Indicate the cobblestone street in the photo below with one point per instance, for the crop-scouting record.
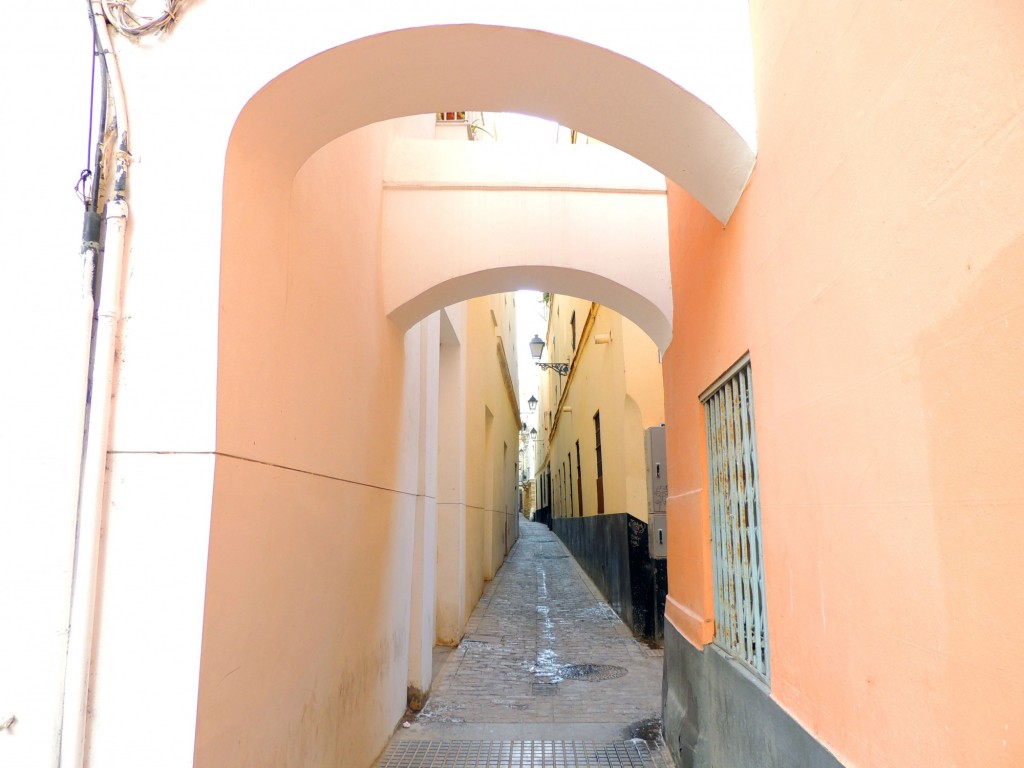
(546, 675)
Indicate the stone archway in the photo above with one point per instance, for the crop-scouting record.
(465, 218)
(500, 69)
(325, 409)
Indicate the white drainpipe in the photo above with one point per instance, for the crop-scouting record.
(94, 461)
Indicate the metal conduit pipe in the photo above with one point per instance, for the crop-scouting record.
(92, 483)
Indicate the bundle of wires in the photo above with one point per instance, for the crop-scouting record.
(121, 16)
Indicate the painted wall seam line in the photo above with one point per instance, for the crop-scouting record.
(324, 476)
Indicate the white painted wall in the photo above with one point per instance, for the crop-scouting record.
(43, 356)
(463, 219)
(150, 624)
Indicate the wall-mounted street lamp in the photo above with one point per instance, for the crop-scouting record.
(537, 349)
(562, 369)
(532, 402)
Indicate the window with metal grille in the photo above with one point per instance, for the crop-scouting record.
(736, 553)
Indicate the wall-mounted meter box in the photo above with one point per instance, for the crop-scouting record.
(657, 491)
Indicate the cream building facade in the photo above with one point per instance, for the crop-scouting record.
(477, 520)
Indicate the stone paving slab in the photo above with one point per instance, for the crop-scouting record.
(539, 622)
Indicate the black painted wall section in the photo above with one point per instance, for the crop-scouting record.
(613, 551)
(716, 716)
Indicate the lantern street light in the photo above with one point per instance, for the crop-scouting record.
(537, 348)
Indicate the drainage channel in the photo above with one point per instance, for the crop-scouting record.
(634, 753)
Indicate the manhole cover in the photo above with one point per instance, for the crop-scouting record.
(591, 672)
(545, 689)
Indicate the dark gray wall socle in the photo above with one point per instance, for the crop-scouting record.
(613, 551)
(717, 716)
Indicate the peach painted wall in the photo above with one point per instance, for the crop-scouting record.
(305, 641)
(320, 412)
(873, 269)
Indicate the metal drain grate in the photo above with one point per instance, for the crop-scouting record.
(591, 672)
(634, 753)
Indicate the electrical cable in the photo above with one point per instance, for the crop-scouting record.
(131, 24)
(83, 177)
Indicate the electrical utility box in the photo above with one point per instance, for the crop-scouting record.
(657, 491)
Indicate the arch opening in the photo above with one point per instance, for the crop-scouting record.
(568, 282)
(419, 70)
(328, 411)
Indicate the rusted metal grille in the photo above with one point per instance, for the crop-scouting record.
(737, 559)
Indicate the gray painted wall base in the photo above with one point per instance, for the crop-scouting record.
(613, 551)
(717, 716)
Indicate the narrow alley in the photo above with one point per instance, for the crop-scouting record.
(547, 676)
